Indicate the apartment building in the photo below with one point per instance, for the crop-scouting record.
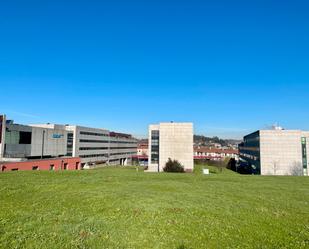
(170, 140)
(275, 152)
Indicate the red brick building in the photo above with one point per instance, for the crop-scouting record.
(72, 163)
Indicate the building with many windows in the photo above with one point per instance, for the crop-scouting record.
(275, 152)
(170, 140)
(91, 145)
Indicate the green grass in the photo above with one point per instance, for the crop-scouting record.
(122, 208)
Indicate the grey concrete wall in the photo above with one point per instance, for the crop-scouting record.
(55, 142)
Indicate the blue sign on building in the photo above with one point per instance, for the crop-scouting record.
(58, 135)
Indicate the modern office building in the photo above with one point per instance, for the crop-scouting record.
(27, 142)
(170, 140)
(91, 145)
(275, 152)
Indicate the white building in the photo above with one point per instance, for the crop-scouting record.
(170, 140)
(276, 152)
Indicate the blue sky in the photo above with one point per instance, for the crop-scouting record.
(231, 67)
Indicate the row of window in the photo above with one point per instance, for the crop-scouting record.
(105, 148)
(155, 141)
(94, 155)
(93, 148)
(93, 134)
(124, 153)
(104, 141)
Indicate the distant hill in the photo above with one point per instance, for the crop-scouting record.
(206, 141)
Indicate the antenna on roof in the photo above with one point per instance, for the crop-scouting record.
(277, 127)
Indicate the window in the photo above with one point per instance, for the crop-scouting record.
(122, 148)
(93, 134)
(92, 141)
(155, 146)
(304, 152)
(24, 137)
(93, 148)
(35, 167)
(70, 138)
(65, 166)
(93, 155)
(52, 167)
(76, 165)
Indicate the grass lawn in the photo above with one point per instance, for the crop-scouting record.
(121, 208)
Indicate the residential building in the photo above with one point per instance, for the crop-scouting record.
(275, 152)
(170, 140)
(142, 149)
(210, 153)
(142, 154)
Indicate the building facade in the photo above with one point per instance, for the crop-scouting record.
(91, 145)
(27, 142)
(170, 140)
(276, 152)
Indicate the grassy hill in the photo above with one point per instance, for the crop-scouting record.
(122, 208)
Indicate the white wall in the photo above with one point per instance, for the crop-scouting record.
(281, 152)
(175, 142)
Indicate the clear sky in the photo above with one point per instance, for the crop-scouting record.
(231, 67)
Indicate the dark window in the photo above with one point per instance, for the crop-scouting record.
(93, 155)
(93, 134)
(93, 148)
(65, 166)
(24, 137)
(52, 167)
(304, 152)
(35, 167)
(92, 141)
(123, 142)
(14, 169)
(155, 146)
(122, 153)
(122, 148)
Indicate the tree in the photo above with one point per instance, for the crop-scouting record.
(173, 166)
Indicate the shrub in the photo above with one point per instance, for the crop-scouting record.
(173, 166)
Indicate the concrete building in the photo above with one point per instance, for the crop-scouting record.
(170, 140)
(27, 142)
(91, 145)
(276, 152)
